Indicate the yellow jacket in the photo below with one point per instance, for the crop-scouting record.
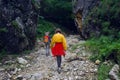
(58, 37)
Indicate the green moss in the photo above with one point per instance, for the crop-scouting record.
(15, 24)
(3, 30)
(36, 4)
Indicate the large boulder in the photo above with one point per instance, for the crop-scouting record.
(81, 9)
(18, 20)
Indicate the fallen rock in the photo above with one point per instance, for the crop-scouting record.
(97, 62)
(2, 69)
(113, 74)
(22, 61)
(19, 77)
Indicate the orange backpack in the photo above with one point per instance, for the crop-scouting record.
(46, 38)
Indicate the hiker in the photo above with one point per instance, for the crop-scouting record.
(58, 47)
(47, 43)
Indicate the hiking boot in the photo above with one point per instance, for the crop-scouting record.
(59, 70)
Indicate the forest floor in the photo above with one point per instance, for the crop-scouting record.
(37, 66)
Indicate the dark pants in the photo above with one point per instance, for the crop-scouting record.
(59, 59)
(47, 46)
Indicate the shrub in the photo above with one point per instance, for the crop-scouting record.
(103, 47)
(103, 71)
(44, 26)
(104, 19)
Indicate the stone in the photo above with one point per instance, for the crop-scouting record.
(22, 61)
(113, 74)
(19, 77)
(50, 74)
(97, 62)
(15, 71)
(9, 75)
(28, 65)
(2, 69)
(9, 62)
(45, 68)
(81, 8)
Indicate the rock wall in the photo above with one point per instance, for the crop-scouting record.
(81, 8)
(18, 20)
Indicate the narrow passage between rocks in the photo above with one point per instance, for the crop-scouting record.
(75, 65)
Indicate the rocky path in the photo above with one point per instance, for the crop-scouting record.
(37, 66)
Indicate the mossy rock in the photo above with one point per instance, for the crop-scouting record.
(15, 24)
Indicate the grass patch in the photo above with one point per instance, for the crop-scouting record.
(76, 46)
(103, 71)
(44, 26)
(102, 47)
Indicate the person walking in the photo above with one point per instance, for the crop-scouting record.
(58, 47)
(47, 43)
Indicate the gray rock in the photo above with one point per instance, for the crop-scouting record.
(36, 76)
(19, 77)
(15, 71)
(113, 74)
(81, 8)
(18, 20)
(2, 69)
(22, 61)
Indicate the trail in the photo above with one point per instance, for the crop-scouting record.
(75, 66)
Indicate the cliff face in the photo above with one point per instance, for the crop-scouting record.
(81, 8)
(18, 20)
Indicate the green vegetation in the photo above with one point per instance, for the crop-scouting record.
(103, 71)
(36, 4)
(103, 47)
(58, 11)
(3, 29)
(54, 13)
(76, 46)
(106, 46)
(15, 24)
(47, 26)
(44, 26)
(105, 17)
